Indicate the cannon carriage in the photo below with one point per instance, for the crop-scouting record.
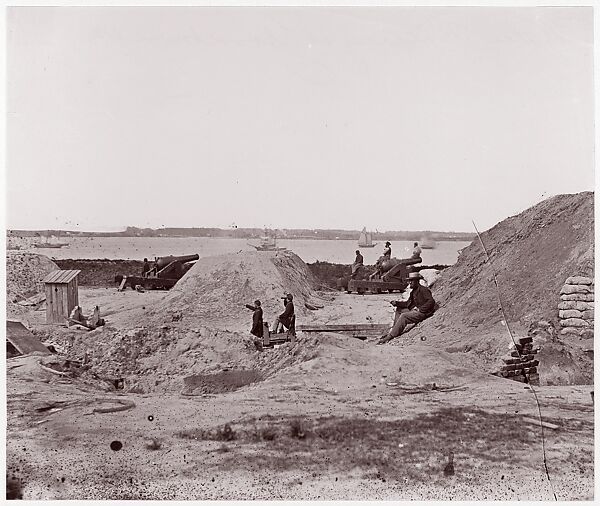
(390, 275)
(163, 274)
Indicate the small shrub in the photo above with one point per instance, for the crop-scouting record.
(296, 429)
(268, 434)
(226, 433)
(154, 444)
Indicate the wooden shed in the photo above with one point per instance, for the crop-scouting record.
(62, 295)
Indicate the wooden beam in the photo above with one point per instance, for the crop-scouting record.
(344, 327)
(537, 422)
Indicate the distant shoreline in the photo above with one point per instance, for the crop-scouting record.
(285, 234)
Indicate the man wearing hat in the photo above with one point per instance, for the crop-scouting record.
(387, 251)
(419, 306)
(287, 317)
(257, 318)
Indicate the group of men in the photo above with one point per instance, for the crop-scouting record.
(285, 320)
(387, 255)
(420, 304)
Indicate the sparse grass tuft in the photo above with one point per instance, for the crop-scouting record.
(268, 434)
(154, 444)
(226, 433)
(296, 429)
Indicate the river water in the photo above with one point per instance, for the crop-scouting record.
(335, 251)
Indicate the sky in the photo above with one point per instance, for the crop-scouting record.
(393, 118)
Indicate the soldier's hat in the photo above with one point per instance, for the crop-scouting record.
(414, 275)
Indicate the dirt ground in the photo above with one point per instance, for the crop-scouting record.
(338, 418)
(172, 399)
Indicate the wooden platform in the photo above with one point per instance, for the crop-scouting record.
(358, 330)
(22, 339)
(361, 286)
(147, 283)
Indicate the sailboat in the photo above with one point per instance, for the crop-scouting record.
(365, 239)
(427, 242)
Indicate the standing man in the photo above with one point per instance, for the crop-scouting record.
(358, 263)
(387, 251)
(419, 306)
(286, 319)
(416, 251)
(257, 318)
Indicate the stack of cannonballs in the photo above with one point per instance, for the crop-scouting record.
(576, 307)
(519, 363)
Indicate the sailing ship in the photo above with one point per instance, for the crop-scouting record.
(51, 242)
(365, 239)
(267, 243)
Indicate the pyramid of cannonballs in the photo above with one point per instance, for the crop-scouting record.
(576, 307)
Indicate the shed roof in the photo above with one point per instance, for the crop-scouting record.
(61, 276)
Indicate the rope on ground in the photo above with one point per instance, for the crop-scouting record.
(519, 353)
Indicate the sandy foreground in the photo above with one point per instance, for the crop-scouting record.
(357, 421)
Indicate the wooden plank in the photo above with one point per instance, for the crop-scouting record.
(65, 301)
(343, 327)
(48, 289)
(122, 285)
(33, 300)
(57, 300)
(60, 304)
(22, 339)
(76, 290)
(547, 425)
(70, 305)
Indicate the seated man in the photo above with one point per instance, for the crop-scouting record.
(358, 263)
(286, 319)
(419, 306)
(145, 268)
(387, 251)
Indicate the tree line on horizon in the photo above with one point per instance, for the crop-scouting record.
(249, 233)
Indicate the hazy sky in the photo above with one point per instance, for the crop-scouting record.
(392, 118)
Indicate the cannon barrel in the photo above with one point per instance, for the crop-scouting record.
(162, 262)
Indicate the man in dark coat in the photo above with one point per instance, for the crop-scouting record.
(358, 263)
(145, 268)
(257, 318)
(419, 306)
(286, 318)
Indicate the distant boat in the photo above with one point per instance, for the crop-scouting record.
(267, 243)
(427, 243)
(365, 239)
(51, 242)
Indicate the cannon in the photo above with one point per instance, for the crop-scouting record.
(163, 274)
(390, 275)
